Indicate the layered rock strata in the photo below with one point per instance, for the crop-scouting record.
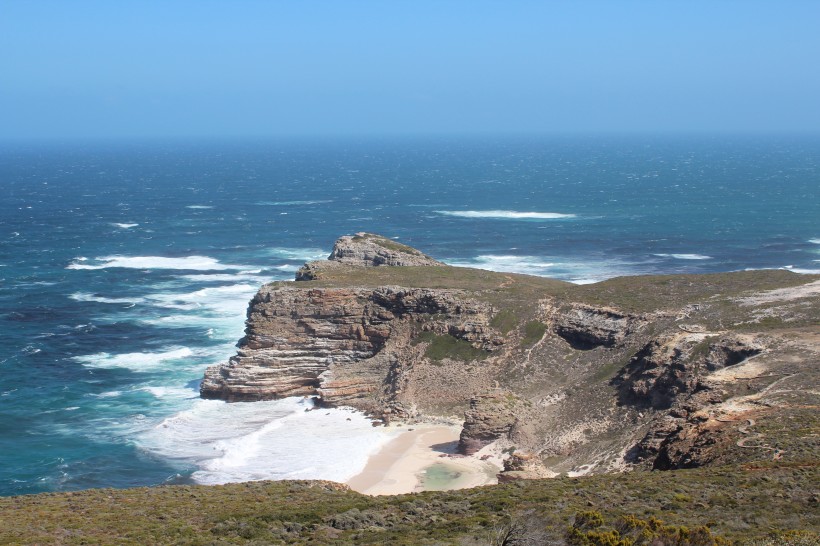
(366, 250)
(491, 416)
(339, 344)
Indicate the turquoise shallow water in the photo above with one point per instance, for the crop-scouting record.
(125, 269)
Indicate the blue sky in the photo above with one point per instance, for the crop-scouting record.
(122, 69)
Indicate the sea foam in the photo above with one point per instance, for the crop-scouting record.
(201, 263)
(684, 256)
(563, 268)
(297, 254)
(84, 296)
(291, 203)
(266, 440)
(505, 214)
(138, 362)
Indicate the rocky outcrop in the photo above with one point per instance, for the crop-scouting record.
(491, 416)
(672, 365)
(523, 466)
(677, 373)
(366, 250)
(586, 327)
(292, 337)
(339, 344)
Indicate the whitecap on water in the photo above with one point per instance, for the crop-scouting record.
(83, 296)
(227, 300)
(572, 270)
(297, 254)
(804, 271)
(289, 203)
(250, 275)
(201, 263)
(139, 362)
(166, 392)
(505, 214)
(684, 256)
(124, 226)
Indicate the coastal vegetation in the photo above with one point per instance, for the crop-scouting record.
(763, 503)
(440, 347)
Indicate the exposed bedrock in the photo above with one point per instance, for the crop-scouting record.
(675, 373)
(329, 342)
(675, 364)
(366, 250)
(491, 416)
(586, 327)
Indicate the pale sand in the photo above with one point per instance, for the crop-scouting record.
(399, 466)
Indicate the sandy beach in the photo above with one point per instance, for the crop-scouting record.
(421, 459)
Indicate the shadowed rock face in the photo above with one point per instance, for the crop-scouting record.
(586, 327)
(674, 365)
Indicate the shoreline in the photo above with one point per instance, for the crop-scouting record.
(422, 458)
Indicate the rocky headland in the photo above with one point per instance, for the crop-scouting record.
(656, 372)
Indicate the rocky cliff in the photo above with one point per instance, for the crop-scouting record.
(661, 372)
(365, 250)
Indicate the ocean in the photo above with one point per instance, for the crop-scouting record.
(126, 268)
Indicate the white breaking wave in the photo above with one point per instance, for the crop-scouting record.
(298, 254)
(251, 275)
(802, 270)
(217, 298)
(505, 214)
(134, 361)
(199, 207)
(814, 241)
(563, 268)
(266, 440)
(170, 392)
(685, 256)
(196, 263)
(83, 296)
(219, 309)
(124, 226)
(287, 203)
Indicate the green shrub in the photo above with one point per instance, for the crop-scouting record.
(533, 332)
(504, 321)
(447, 346)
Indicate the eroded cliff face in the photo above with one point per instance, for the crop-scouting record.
(365, 250)
(346, 346)
(587, 327)
(563, 375)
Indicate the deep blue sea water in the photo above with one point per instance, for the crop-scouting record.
(125, 270)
